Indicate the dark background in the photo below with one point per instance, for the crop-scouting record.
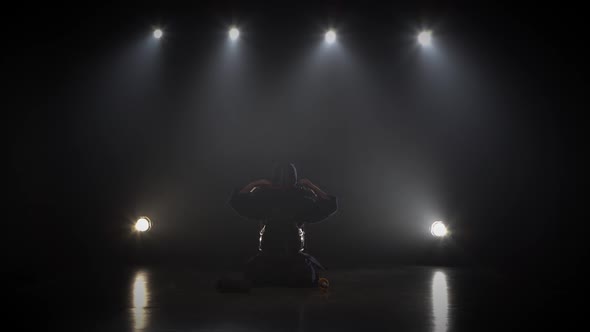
(105, 124)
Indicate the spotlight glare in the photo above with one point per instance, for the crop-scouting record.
(234, 33)
(143, 224)
(330, 36)
(438, 229)
(425, 38)
(158, 33)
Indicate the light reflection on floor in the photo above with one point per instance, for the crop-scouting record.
(422, 299)
(140, 297)
(440, 302)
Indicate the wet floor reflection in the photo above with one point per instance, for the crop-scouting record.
(140, 298)
(440, 302)
(394, 299)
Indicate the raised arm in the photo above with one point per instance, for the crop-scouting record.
(254, 184)
(244, 202)
(324, 207)
(319, 192)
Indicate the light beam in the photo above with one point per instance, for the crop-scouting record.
(330, 36)
(158, 33)
(143, 224)
(234, 33)
(438, 229)
(425, 38)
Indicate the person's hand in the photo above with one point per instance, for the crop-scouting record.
(306, 182)
(254, 184)
(261, 183)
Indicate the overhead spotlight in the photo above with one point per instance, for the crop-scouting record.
(438, 229)
(143, 224)
(330, 36)
(425, 38)
(234, 33)
(158, 33)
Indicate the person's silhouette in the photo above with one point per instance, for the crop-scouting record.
(283, 205)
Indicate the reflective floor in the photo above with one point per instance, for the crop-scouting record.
(396, 299)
